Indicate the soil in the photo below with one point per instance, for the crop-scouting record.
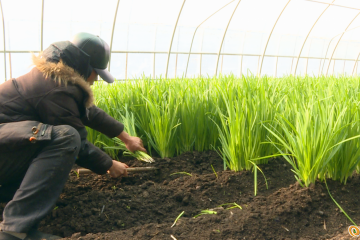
(145, 205)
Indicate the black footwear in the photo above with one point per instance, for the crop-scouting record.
(6, 236)
(32, 235)
(36, 235)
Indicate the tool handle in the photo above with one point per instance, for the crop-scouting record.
(82, 171)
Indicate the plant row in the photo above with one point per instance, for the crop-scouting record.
(312, 122)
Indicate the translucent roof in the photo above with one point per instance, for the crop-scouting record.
(191, 37)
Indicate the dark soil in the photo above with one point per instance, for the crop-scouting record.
(145, 206)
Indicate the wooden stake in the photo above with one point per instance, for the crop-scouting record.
(83, 171)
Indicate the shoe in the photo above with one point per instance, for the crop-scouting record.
(32, 235)
(6, 236)
(36, 235)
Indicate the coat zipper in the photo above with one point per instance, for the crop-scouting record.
(43, 132)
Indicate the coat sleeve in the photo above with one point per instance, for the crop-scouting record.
(60, 108)
(99, 120)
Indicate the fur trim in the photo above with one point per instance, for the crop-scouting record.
(62, 73)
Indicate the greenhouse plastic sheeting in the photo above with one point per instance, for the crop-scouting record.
(161, 38)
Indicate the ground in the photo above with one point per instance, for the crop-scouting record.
(145, 206)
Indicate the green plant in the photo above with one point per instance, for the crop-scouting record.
(233, 205)
(77, 174)
(205, 212)
(179, 216)
(214, 171)
(181, 173)
(313, 122)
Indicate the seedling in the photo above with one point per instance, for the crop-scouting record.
(102, 210)
(337, 204)
(177, 218)
(77, 174)
(234, 205)
(255, 177)
(113, 188)
(182, 173)
(205, 212)
(214, 171)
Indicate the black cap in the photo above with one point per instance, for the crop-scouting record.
(98, 51)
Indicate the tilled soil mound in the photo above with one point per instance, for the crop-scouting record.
(145, 206)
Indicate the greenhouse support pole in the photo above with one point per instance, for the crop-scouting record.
(2, 15)
(187, 64)
(356, 63)
(10, 68)
(153, 70)
(332, 55)
(262, 57)
(319, 67)
(42, 26)
(347, 48)
(200, 64)
(172, 38)
(241, 64)
(222, 41)
(302, 47)
(322, 69)
(154, 53)
(176, 63)
(126, 66)
(112, 33)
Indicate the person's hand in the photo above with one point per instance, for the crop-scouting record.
(132, 143)
(118, 169)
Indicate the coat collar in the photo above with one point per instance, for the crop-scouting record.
(63, 74)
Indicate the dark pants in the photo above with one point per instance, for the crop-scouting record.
(36, 176)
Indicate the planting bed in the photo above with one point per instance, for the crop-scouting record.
(144, 206)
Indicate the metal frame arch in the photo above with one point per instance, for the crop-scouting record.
(262, 56)
(196, 31)
(172, 38)
(112, 32)
(222, 41)
(302, 47)
(322, 68)
(357, 59)
(332, 55)
(3, 22)
(42, 26)
(356, 63)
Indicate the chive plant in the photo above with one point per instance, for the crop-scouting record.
(312, 121)
(163, 122)
(241, 132)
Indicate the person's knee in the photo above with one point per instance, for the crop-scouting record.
(69, 135)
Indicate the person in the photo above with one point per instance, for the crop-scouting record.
(43, 115)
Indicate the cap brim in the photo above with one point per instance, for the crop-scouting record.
(105, 75)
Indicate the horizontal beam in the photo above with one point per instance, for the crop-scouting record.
(198, 53)
(21, 51)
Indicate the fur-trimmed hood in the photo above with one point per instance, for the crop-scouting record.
(63, 74)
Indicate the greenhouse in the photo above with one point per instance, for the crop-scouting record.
(182, 119)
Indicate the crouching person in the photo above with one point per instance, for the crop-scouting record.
(43, 115)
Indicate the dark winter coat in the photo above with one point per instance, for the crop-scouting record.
(53, 93)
